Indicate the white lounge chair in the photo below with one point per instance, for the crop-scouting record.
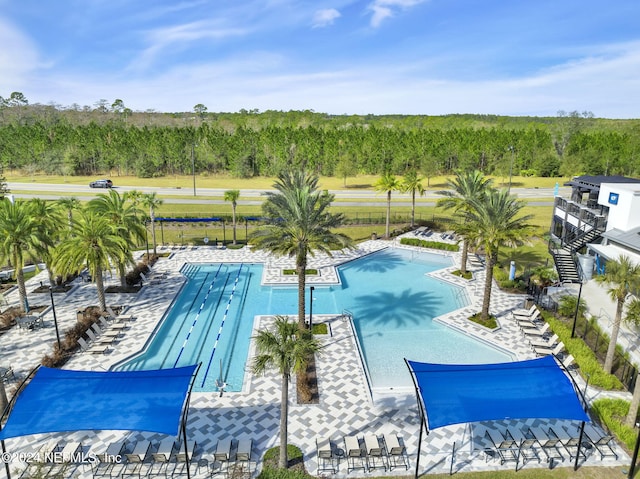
(119, 317)
(541, 343)
(93, 348)
(536, 331)
(375, 453)
(525, 311)
(546, 351)
(104, 333)
(96, 340)
(325, 455)
(356, 456)
(396, 452)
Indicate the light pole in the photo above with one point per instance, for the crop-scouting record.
(634, 458)
(193, 167)
(311, 288)
(512, 149)
(55, 319)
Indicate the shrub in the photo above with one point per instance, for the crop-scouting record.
(611, 412)
(429, 244)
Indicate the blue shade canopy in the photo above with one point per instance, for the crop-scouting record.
(461, 393)
(58, 400)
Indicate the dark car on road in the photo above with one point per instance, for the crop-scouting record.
(101, 184)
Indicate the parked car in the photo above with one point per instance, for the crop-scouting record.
(101, 184)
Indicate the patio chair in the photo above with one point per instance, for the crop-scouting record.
(542, 351)
(325, 455)
(243, 457)
(222, 455)
(104, 333)
(105, 462)
(602, 442)
(505, 446)
(374, 452)
(356, 456)
(524, 319)
(541, 343)
(534, 330)
(137, 459)
(118, 317)
(527, 445)
(184, 459)
(105, 324)
(396, 452)
(524, 311)
(6, 373)
(570, 440)
(162, 457)
(569, 364)
(549, 442)
(92, 348)
(96, 340)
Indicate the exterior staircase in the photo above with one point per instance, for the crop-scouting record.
(565, 266)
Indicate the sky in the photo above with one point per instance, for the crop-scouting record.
(428, 57)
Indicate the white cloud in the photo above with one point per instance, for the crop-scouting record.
(325, 17)
(18, 57)
(383, 9)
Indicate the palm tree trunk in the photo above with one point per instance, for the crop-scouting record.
(284, 412)
(413, 208)
(122, 275)
(608, 361)
(22, 289)
(233, 213)
(488, 283)
(465, 254)
(301, 269)
(386, 231)
(633, 407)
(100, 287)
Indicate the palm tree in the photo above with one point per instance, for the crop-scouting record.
(633, 316)
(412, 183)
(623, 279)
(387, 183)
(285, 350)
(495, 218)
(21, 237)
(95, 241)
(69, 203)
(232, 196)
(463, 189)
(299, 225)
(48, 214)
(127, 216)
(151, 201)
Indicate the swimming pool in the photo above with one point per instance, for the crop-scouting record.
(389, 293)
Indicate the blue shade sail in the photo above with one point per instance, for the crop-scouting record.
(463, 393)
(58, 400)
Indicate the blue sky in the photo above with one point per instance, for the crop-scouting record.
(434, 57)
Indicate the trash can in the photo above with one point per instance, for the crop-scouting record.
(80, 315)
(374, 236)
(528, 302)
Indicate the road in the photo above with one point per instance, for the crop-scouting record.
(253, 196)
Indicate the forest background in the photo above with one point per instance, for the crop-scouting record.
(111, 139)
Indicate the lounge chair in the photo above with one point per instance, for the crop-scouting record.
(105, 462)
(546, 351)
(243, 456)
(184, 460)
(396, 452)
(541, 343)
(506, 447)
(137, 459)
(375, 452)
(356, 456)
(535, 331)
(525, 311)
(527, 318)
(107, 325)
(222, 454)
(569, 363)
(549, 442)
(602, 442)
(325, 455)
(93, 348)
(104, 333)
(148, 281)
(118, 317)
(570, 440)
(96, 340)
(161, 457)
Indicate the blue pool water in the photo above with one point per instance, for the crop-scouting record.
(392, 300)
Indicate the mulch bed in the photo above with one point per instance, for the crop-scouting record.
(312, 381)
(126, 289)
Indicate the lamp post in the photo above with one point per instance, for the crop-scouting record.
(311, 288)
(193, 167)
(634, 458)
(512, 149)
(55, 319)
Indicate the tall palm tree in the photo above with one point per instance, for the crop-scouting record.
(95, 241)
(387, 183)
(299, 224)
(117, 209)
(48, 214)
(151, 201)
(412, 183)
(232, 196)
(285, 350)
(465, 188)
(21, 237)
(495, 218)
(69, 203)
(623, 278)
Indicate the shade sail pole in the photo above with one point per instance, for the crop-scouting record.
(183, 421)
(423, 419)
(575, 465)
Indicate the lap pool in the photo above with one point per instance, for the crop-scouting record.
(389, 293)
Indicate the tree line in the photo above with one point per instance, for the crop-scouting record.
(112, 138)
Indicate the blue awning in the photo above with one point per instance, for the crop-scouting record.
(462, 393)
(58, 400)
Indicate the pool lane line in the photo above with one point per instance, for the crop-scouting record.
(197, 316)
(226, 312)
